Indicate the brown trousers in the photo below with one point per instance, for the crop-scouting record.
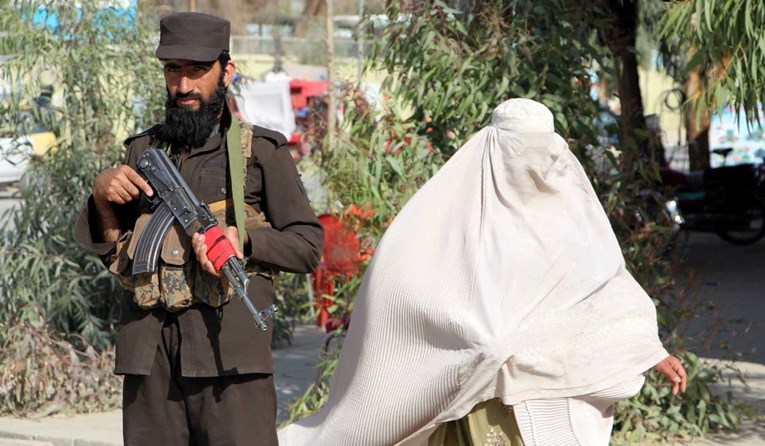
(167, 409)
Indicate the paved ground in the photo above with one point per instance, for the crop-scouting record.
(730, 279)
(294, 373)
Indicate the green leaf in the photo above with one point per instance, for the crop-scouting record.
(708, 7)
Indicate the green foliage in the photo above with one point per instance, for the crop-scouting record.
(447, 70)
(292, 293)
(728, 45)
(103, 76)
(378, 164)
(655, 415)
(453, 67)
(318, 392)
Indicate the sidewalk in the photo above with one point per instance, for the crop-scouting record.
(295, 371)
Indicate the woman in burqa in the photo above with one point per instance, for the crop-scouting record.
(499, 293)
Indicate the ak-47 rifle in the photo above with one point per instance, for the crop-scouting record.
(174, 200)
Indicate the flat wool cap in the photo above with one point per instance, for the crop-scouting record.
(192, 36)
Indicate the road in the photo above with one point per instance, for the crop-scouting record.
(727, 283)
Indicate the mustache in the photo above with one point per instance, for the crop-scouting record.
(189, 95)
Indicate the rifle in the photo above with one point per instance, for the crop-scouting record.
(174, 200)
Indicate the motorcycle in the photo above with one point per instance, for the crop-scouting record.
(727, 201)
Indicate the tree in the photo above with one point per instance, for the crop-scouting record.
(106, 85)
(726, 58)
(59, 304)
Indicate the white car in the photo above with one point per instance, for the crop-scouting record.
(17, 149)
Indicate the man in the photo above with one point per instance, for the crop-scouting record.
(201, 374)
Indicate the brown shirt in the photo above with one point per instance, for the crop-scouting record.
(223, 341)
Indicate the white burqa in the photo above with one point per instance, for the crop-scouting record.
(500, 278)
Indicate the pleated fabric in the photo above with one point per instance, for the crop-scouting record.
(501, 278)
(574, 421)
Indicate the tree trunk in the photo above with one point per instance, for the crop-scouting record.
(332, 96)
(312, 8)
(620, 37)
(696, 130)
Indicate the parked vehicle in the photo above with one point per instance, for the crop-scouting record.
(725, 200)
(18, 145)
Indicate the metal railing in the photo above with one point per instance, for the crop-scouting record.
(292, 46)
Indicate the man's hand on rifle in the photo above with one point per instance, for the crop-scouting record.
(119, 185)
(200, 249)
(116, 186)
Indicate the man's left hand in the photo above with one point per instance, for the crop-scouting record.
(200, 249)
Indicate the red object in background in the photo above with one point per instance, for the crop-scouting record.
(341, 246)
(340, 257)
(301, 90)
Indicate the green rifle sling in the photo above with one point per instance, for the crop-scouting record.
(236, 172)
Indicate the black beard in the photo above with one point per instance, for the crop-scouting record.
(189, 128)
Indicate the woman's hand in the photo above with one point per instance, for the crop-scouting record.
(673, 370)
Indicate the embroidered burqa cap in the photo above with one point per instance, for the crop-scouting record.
(500, 278)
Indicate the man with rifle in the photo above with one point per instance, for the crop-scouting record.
(197, 363)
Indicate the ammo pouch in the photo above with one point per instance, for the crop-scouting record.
(179, 281)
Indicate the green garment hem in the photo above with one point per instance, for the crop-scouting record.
(490, 423)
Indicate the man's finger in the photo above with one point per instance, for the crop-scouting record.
(130, 188)
(122, 194)
(138, 180)
(198, 243)
(233, 237)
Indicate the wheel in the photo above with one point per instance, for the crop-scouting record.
(756, 217)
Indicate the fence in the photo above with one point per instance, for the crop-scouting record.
(293, 46)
